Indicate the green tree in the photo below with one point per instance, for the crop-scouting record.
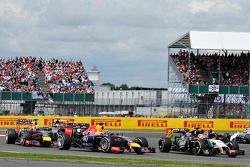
(124, 87)
(112, 86)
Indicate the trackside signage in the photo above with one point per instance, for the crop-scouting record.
(134, 123)
(239, 124)
(107, 122)
(7, 121)
(152, 123)
(199, 124)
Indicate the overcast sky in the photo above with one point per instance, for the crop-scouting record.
(126, 39)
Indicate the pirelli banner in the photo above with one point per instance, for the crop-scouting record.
(135, 123)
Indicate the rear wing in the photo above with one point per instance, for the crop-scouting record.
(171, 131)
(24, 121)
(95, 130)
(28, 122)
(78, 125)
(60, 122)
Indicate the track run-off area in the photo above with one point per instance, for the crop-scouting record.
(152, 137)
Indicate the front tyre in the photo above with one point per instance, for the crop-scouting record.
(10, 136)
(46, 144)
(142, 141)
(138, 150)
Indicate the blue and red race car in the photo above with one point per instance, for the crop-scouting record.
(96, 138)
(31, 134)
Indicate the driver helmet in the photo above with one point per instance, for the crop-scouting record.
(212, 135)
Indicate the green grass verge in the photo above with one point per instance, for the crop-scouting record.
(97, 160)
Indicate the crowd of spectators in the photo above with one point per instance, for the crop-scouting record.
(190, 70)
(224, 69)
(20, 75)
(67, 76)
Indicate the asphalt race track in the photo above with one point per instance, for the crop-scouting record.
(152, 136)
(26, 163)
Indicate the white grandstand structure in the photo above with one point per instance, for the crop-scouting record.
(209, 42)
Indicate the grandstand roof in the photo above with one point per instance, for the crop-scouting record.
(213, 40)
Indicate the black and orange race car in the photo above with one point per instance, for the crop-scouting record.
(95, 138)
(28, 133)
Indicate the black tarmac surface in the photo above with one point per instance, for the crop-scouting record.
(26, 163)
(152, 136)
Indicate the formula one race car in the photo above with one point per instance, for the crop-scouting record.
(96, 139)
(59, 127)
(197, 142)
(241, 137)
(31, 135)
(119, 144)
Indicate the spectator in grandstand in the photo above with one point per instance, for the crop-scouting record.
(68, 76)
(61, 76)
(226, 69)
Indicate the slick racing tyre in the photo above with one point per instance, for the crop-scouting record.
(198, 147)
(105, 144)
(165, 144)
(142, 141)
(233, 145)
(46, 144)
(138, 150)
(64, 142)
(247, 138)
(10, 136)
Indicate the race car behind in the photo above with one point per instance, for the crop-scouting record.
(241, 137)
(197, 142)
(31, 134)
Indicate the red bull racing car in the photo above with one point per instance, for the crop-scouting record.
(30, 135)
(96, 138)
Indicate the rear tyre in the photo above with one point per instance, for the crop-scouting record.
(247, 137)
(105, 144)
(142, 141)
(10, 136)
(198, 147)
(64, 142)
(233, 145)
(165, 144)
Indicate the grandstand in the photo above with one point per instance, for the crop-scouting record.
(212, 70)
(31, 82)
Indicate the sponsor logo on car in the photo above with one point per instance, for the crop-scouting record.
(198, 124)
(152, 123)
(107, 122)
(239, 124)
